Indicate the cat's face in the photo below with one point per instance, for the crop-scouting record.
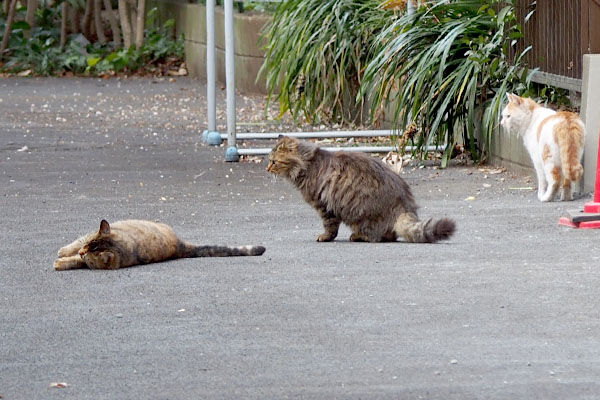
(96, 258)
(284, 159)
(100, 251)
(517, 112)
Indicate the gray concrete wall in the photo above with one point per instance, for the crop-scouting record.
(509, 151)
(590, 113)
(191, 21)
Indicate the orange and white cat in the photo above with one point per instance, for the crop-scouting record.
(554, 141)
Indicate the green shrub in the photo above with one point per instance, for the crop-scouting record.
(316, 52)
(42, 55)
(445, 69)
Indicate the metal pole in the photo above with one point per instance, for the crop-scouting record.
(231, 153)
(410, 7)
(363, 149)
(211, 135)
(321, 134)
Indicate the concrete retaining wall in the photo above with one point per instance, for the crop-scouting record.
(190, 19)
(590, 113)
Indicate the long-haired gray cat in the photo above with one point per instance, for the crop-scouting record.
(355, 189)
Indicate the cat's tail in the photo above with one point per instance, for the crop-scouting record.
(569, 133)
(190, 250)
(410, 228)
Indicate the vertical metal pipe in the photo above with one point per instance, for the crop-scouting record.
(211, 66)
(231, 154)
(410, 7)
(211, 136)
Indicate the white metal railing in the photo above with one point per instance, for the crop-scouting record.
(211, 136)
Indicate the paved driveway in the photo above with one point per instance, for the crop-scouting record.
(508, 309)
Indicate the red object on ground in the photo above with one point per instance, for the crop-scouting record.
(590, 217)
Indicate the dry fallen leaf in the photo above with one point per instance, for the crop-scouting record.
(521, 188)
(395, 161)
(492, 171)
(59, 385)
(253, 159)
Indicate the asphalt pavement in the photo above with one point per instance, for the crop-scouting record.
(507, 309)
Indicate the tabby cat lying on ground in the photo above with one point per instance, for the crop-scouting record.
(355, 189)
(134, 242)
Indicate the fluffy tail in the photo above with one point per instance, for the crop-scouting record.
(412, 230)
(189, 250)
(569, 133)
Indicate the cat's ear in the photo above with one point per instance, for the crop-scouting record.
(104, 227)
(513, 98)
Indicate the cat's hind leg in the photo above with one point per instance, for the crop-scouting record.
(567, 190)
(368, 231)
(541, 177)
(66, 263)
(331, 224)
(554, 177)
(357, 237)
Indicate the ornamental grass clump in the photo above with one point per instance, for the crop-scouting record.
(316, 52)
(445, 69)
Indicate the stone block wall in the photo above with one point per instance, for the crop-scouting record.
(190, 19)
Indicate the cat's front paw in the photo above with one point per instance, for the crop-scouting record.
(325, 237)
(64, 252)
(61, 265)
(66, 263)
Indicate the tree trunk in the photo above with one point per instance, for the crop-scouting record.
(98, 21)
(63, 23)
(125, 24)
(30, 17)
(141, 17)
(9, 21)
(86, 24)
(114, 26)
(133, 18)
(75, 18)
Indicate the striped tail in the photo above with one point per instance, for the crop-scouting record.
(190, 251)
(411, 229)
(569, 134)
